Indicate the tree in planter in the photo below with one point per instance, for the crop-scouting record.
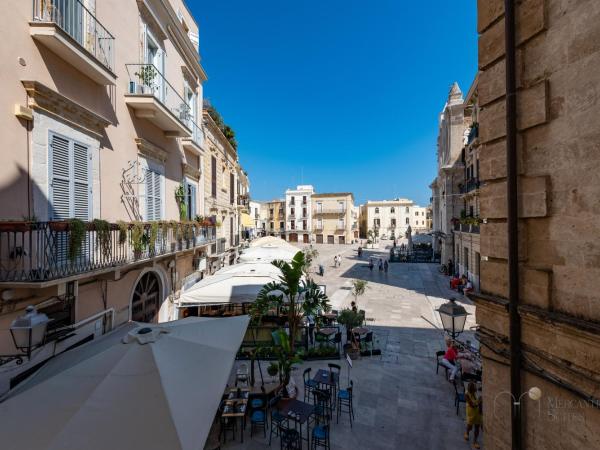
(350, 319)
(359, 287)
(146, 76)
(310, 255)
(298, 297)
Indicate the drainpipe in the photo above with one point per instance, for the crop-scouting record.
(512, 221)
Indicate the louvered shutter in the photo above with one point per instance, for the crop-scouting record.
(192, 205)
(60, 196)
(157, 196)
(81, 182)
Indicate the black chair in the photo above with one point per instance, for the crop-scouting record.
(344, 399)
(335, 369)
(337, 340)
(322, 411)
(438, 354)
(368, 340)
(277, 419)
(459, 397)
(289, 439)
(320, 437)
(227, 424)
(309, 384)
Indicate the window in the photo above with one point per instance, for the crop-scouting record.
(407, 210)
(471, 210)
(292, 225)
(319, 224)
(407, 221)
(341, 206)
(376, 210)
(281, 225)
(466, 259)
(292, 211)
(304, 199)
(231, 188)
(416, 213)
(393, 223)
(271, 212)
(304, 224)
(392, 210)
(376, 223)
(213, 177)
(292, 200)
(153, 183)
(190, 199)
(319, 207)
(341, 225)
(304, 212)
(70, 185)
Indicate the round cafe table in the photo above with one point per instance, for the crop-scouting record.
(360, 330)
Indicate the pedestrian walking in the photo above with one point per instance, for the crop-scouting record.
(321, 270)
(360, 252)
(380, 265)
(370, 264)
(386, 266)
(339, 260)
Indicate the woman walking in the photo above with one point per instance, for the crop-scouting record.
(473, 403)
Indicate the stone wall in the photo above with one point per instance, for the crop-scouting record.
(558, 59)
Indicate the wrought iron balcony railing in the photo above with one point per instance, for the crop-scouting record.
(146, 79)
(466, 228)
(330, 211)
(80, 24)
(44, 251)
(470, 185)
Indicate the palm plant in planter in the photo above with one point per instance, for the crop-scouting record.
(297, 296)
(351, 319)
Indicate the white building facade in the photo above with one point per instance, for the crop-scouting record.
(298, 212)
(390, 219)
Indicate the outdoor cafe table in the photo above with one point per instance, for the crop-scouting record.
(236, 406)
(328, 379)
(360, 330)
(301, 411)
(329, 316)
(327, 331)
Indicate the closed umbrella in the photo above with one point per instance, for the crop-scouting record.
(158, 388)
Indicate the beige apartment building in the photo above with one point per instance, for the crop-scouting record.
(274, 220)
(466, 227)
(98, 123)
(334, 218)
(539, 307)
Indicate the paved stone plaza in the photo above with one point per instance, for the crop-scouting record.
(400, 402)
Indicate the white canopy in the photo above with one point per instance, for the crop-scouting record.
(268, 254)
(270, 241)
(157, 389)
(230, 287)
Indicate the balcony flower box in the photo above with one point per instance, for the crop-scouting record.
(16, 226)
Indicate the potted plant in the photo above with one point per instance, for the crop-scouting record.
(58, 225)
(273, 370)
(146, 77)
(350, 319)
(76, 235)
(359, 287)
(103, 241)
(139, 239)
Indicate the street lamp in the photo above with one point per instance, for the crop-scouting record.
(453, 317)
(29, 330)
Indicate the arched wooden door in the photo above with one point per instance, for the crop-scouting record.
(146, 300)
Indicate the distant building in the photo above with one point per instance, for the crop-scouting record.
(334, 218)
(447, 203)
(298, 213)
(273, 218)
(391, 218)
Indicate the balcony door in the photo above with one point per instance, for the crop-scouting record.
(154, 60)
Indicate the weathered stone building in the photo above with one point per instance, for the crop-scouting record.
(557, 302)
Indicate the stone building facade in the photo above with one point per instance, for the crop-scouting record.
(445, 188)
(274, 221)
(390, 219)
(558, 159)
(334, 220)
(466, 228)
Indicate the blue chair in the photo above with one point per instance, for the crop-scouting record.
(344, 399)
(258, 418)
(320, 437)
(309, 384)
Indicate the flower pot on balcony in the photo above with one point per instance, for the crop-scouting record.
(17, 226)
(59, 226)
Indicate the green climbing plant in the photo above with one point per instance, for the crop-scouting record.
(76, 236)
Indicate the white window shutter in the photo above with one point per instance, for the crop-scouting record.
(81, 182)
(157, 196)
(60, 195)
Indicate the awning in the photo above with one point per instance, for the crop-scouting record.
(154, 390)
(268, 254)
(228, 287)
(247, 221)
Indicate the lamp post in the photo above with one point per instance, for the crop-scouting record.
(453, 317)
(28, 332)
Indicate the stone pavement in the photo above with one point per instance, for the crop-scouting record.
(400, 402)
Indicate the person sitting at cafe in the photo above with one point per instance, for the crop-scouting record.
(449, 360)
(467, 288)
(463, 283)
(454, 282)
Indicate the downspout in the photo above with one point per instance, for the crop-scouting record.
(512, 221)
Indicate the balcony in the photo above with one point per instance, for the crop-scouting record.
(325, 211)
(40, 252)
(153, 98)
(472, 184)
(466, 228)
(196, 141)
(71, 31)
(218, 247)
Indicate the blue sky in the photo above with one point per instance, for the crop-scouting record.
(341, 94)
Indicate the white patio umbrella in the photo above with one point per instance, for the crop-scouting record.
(268, 254)
(157, 389)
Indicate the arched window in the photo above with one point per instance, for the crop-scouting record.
(393, 210)
(146, 300)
